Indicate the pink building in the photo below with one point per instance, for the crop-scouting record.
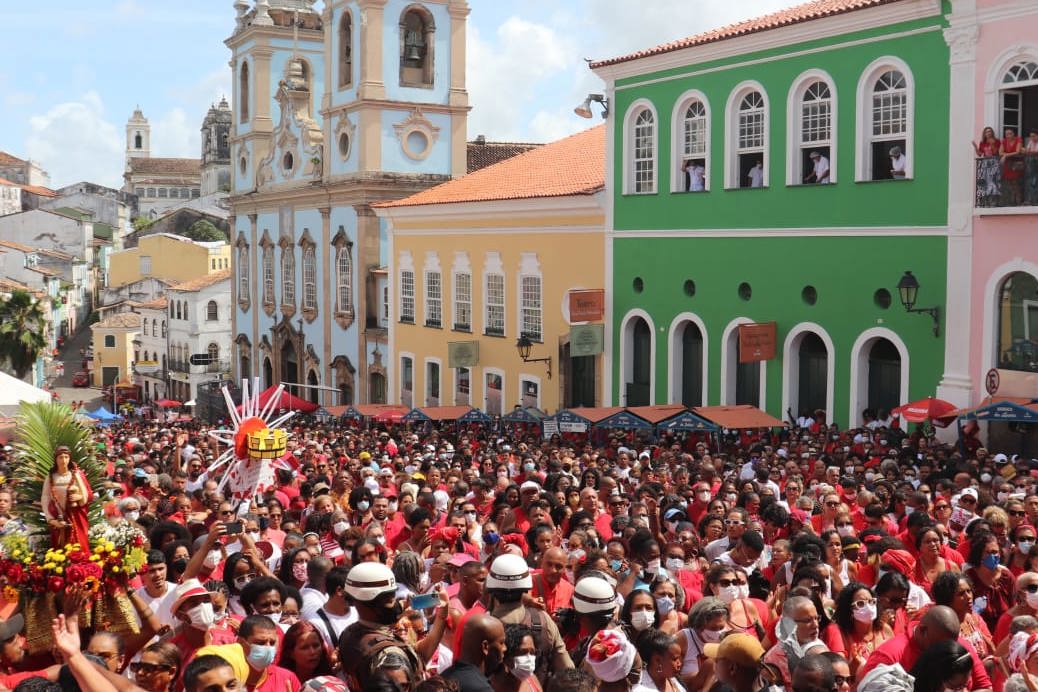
(993, 208)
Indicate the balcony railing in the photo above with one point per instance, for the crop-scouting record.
(184, 366)
(1012, 182)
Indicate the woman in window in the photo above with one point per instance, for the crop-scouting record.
(989, 172)
(1012, 166)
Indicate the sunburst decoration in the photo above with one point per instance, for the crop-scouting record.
(255, 444)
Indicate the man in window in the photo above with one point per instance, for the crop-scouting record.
(820, 173)
(695, 176)
(898, 162)
(756, 175)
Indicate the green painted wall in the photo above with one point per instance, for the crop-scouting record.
(845, 271)
(918, 202)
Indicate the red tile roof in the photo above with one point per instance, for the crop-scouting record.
(203, 281)
(33, 189)
(481, 153)
(160, 166)
(816, 9)
(571, 166)
(8, 160)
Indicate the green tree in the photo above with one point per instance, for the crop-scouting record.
(142, 223)
(204, 231)
(22, 330)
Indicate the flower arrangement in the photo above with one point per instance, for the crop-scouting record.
(115, 554)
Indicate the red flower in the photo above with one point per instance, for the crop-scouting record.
(14, 573)
(92, 569)
(75, 573)
(138, 541)
(55, 584)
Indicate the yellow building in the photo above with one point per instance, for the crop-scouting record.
(500, 254)
(171, 258)
(113, 348)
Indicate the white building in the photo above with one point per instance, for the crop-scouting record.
(151, 347)
(199, 319)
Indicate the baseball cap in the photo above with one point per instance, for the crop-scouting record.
(529, 485)
(741, 649)
(320, 488)
(11, 626)
(459, 559)
(185, 590)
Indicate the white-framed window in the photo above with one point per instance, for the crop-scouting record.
(407, 296)
(407, 380)
(748, 132)
(462, 387)
(495, 300)
(433, 299)
(640, 147)
(811, 136)
(309, 278)
(268, 275)
(385, 302)
(463, 301)
(530, 309)
(886, 116)
(432, 382)
(145, 265)
(691, 141)
(288, 275)
(344, 279)
(212, 311)
(1017, 87)
(243, 272)
(493, 391)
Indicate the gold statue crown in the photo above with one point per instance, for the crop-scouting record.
(267, 443)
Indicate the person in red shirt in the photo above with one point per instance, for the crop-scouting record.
(550, 589)
(193, 606)
(258, 636)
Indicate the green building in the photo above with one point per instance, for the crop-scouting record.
(717, 220)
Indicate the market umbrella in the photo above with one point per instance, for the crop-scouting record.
(167, 403)
(390, 416)
(928, 409)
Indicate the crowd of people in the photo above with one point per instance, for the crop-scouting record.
(809, 559)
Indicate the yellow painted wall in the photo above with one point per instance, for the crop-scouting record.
(172, 260)
(121, 356)
(567, 261)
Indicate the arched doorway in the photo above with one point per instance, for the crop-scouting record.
(268, 373)
(637, 362)
(377, 388)
(747, 380)
(813, 373)
(884, 378)
(289, 367)
(1017, 335)
(691, 365)
(245, 367)
(314, 394)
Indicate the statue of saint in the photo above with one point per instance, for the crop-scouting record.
(66, 498)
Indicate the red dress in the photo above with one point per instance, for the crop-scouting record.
(1011, 146)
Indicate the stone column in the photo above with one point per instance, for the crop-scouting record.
(327, 301)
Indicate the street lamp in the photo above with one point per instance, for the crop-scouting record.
(523, 345)
(908, 290)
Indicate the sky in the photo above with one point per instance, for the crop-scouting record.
(83, 67)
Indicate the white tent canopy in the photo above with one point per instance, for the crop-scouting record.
(14, 391)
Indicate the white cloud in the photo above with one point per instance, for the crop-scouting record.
(15, 99)
(74, 142)
(176, 134)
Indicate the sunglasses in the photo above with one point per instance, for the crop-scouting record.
(1016, 513)
(861, 603)
(725, 583)
(149, 668)
(832, 504)
(733, 522)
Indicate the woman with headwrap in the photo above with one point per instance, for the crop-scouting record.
(1022, 660)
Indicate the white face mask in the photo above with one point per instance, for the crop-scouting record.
(132, 516)
(727, 594)
(642, 619)
(202, 616)
(866, 613)
(665, 604)
(712, 636)
(254, 535)
(674, 564)
(340, 527)
(1025, 547)
(1032, 600)
(744, 590)
(363, 505)
(653, 566)
(845, 530)
(524, 666)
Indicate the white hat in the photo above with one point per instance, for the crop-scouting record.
(509, 572)
(1001, 458)
(970, 491)
(529, 485)
(594, 595)
(366, 581)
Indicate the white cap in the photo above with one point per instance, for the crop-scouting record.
(1001, 458)
(594, 595)
(970, 491)
(369, 579)
(529, 485)
(509, 572)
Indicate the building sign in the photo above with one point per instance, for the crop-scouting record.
(146, 367)
(757, 342)
(462, 354)
(586, 340)
(991, 381)
(586, 305)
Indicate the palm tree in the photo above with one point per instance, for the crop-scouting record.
(22, 332)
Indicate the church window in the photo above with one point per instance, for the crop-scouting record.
(212, 312)
(288, 162)
(346, 51)
(138, 141)
(243, 92)
(344, 279)
(417, 33)
(309, 279)
(151, 192)
(268, 275)
(288, 276)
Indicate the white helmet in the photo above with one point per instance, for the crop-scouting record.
(594, 595)
(368, 580)
(509, 572)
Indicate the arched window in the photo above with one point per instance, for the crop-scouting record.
(163, 329)
(640, 154)
(214, 355)
(692, 138)
(812, 151)
(309, 279)
(748, 133)
(243, 92)
(171, 309)
(344, 280)
(268, 275)
(346, 50)
(211, 311)
(185, 309)
(885, 121)
(1018, 323)
(1019, 86)
(138, 141)
(179, 314)
(417, 40)
(288, 276)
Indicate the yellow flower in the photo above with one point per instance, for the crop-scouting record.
(109, 546)
(59, 570)
(59, 558)
(17, 553)
(49, 565)
(95, 558)
(115, 569)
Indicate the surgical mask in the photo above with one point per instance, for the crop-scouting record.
(212, 559)
(731, 498)
(990, 561)
(653, 566)
(744, 590)
(985, 478)
(642, 619)
(363, 505)
(202, 616)
(529, 467)
(674, 564)
(1032, 600)
(132, 516)
(242, 581)
(703, 496)
(299, 571)
(219, 615)
(665, 604)
(615, 565)
(340, 527)
(727, 594)
(1025, 547)
(392, 507)
(866, 613)
(276, 617)
(869, 476)
(470, 516)
(845, 530)
(1003, 496)
(908, 510)
(712, 636)
(261, 657)
(524, 666)
(254, 535)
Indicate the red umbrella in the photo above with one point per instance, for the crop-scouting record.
(928, 409)
(167, 403)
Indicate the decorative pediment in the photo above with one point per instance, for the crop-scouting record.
(341, 239)
(417, 135)
(264, 345)
(306, 240)
(342, 363)
(265, 241)
(298, 139)
(241, 242)
(312, 359)
(243, 340)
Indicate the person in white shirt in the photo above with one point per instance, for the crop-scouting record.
(898, 163)
(158, 593)
(756, 175)
(314, 597)
(695, 173)
(336, 615)
(820, 173)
